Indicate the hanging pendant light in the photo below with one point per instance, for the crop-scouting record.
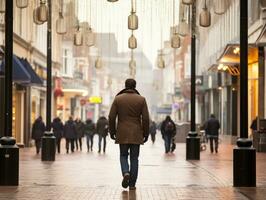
(112, 1)
(35, 18)
(98, 63)
(187, 2)
(42, 12)
(22, 3)
(263, 3)
(160, 61)
(61, 24)
(132, 64)
(219, 7)
(183, 28)
(205, 16)
(175, 41)
(2, 6)
(132, 42)
(89, 37)
(78, 37)
(133, 22)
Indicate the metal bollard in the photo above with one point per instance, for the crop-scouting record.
(193, 146)
(9, 162)
(244, 164)
(48, 147)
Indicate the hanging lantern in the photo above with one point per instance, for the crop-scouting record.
(78, 37)
(22, 3)
(263, 3)
(112, 1)
(160, 62)
(205, 17)
(98, 63)
(2, 6)
(188, 2)
(175, 41)
(183, 28)
(89, 37)
(133, 21)
(35, 18)
(61, 24)
(132, 42)
(219, 7)
(132, 64)
(42, 12)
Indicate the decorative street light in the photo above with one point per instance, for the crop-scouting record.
(61, 24)
(78, 37)
(133, 21)
(205, 16)
(112, 1)
(183, 26)
(188, 2)
(42, 11)
(160, 61)
(175, 39)
(98, 63)
(219, 6)
(22, 3)
(89, 37)
(132, 42)
(2, 6)
(35, 18)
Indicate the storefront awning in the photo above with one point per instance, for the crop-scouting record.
(34, 78)
(231, 54)
(20, 74)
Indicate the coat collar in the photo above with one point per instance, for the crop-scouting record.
(128, 91)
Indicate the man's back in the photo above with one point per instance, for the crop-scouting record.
(133, 118)
(213, 127)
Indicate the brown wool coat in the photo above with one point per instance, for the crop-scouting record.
(133, 118)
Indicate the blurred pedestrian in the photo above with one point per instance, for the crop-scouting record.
(70, 134)
(37, 132)
(212, 127)
(102, 130)
(80, 133)
(58, 129)
(89, 130)
(168, 130)
(132, 129)
(153, 128)
(254, 125)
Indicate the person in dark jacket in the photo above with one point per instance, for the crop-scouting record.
(70, 134)
(168, 130)
(58, 129)
(212, 127)
(80, 133)
(38, 129)
(102, 130)
(130, 131)
(153, 128)
(89, 130)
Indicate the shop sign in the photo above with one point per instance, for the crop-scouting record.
(95, 100)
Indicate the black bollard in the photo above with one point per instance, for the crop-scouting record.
(244, 161)
(9, 162)
(193, 146)
(48, 147)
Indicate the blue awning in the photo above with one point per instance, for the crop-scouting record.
(20, 74)
(34, 78)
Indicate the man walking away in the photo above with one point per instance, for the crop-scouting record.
(38, 129)
(80, 133)
(102, 130)
(153, 131)
(131, 131)
(58, 129)
(168, 130)
(70, 134)
(212, 127)
(89, 130)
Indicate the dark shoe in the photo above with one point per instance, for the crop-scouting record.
(216, 151)
(125, 180)
(99, 151)
(67, 151)
(132, 188)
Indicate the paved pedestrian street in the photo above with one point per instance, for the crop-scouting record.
(83, 175)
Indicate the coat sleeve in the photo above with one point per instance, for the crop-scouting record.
(112, 118)
(145, 119)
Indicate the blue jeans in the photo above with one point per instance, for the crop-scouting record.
(134, 161)
(167, 142)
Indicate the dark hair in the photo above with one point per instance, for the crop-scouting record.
(130, 83)
(168, 118)
(212, 116)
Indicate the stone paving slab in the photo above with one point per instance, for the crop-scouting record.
(113, 193)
